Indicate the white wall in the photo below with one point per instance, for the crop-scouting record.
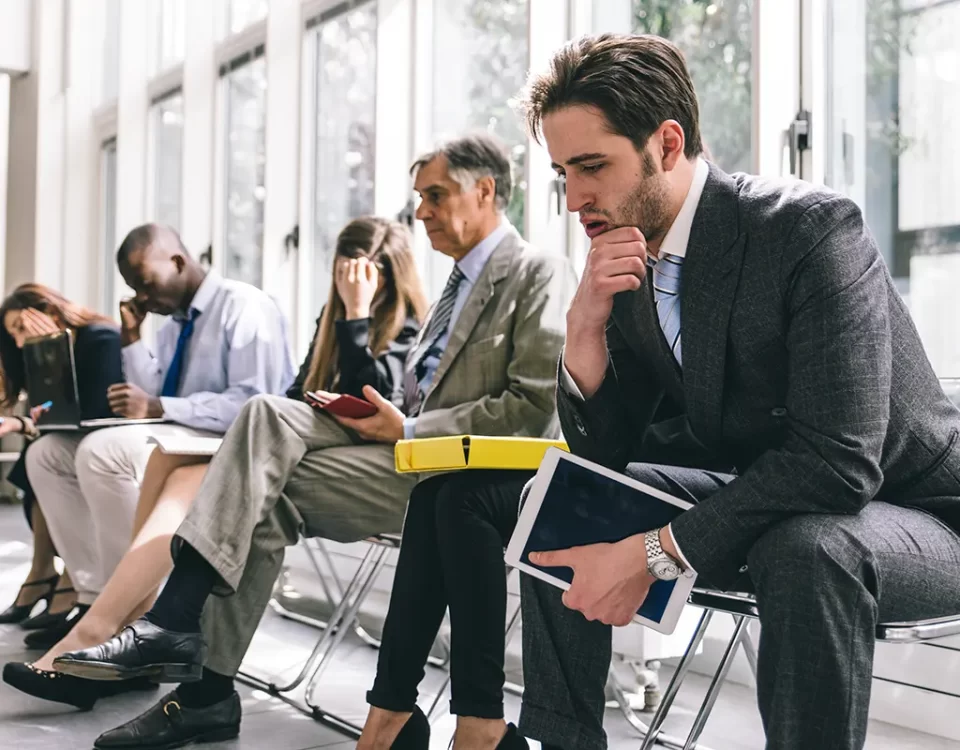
(15, 21)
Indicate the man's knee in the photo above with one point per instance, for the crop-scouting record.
(49, 454)
(805, 551)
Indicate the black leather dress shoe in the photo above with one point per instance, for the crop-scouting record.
(139, 650)
(168, 725)
(62, 688)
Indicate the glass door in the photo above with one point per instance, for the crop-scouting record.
(891, 73)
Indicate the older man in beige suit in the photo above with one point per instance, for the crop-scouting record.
(485, 364)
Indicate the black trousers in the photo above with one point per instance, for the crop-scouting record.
(822, 583)
(456, 528)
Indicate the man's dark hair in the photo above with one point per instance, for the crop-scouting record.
(142, 237)
(471, 157)
(637, 80)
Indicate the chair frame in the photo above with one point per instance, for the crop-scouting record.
(743, 609)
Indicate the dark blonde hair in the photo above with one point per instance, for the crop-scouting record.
(638, 81)
(42, 298)
(388, 244)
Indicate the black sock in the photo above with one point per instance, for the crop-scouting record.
(212, 688)
(180, 604)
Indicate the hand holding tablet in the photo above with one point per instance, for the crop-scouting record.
(596, 518)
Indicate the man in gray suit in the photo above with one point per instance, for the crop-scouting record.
(485, 364)
(737, 342)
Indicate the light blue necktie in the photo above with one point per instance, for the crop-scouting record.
(666, 293)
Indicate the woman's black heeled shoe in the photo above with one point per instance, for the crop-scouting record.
(45, 619)
(64, 688)
(19, 612)
(415, 734)
(47, 638)
(512, 740)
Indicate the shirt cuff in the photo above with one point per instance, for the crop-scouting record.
(176, 409)
(409, 428)
(566, 380)
(687, 567)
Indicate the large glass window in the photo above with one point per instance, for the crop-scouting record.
(716, 38)
(171, 23)
(111, 52)
(243, 13)
(344, 137)
(108, 221)
(891, 145)
(245, 86)
(480, 62)
(167, 116)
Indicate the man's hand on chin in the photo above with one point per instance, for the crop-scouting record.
(610, 581)
(386, 426)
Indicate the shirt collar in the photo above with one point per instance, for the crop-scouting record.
(678, 236)
(205, 293)
(472, 263)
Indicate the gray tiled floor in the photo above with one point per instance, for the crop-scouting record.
(281, 646)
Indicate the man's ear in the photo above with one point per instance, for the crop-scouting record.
(487, 189)
(180, 262)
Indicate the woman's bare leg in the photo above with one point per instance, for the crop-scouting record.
(138, 575)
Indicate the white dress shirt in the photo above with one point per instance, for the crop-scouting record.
(238, 350)
(675, 243)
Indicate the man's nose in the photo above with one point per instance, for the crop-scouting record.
(577, 199)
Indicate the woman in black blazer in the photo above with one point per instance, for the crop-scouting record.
(35, 310)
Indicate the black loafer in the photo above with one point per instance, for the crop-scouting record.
(61, 688)
(512, 740)
(168, 725)
(139, 650)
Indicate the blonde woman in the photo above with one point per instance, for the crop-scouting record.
(374, 311)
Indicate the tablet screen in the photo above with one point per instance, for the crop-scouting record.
(581, 507)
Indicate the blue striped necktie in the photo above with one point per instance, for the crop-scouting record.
(439, 321)
(666, 293)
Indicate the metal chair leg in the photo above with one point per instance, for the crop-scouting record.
(700, 721)
(750, 651)
(679, 675)
(347, 612)
(323, 643)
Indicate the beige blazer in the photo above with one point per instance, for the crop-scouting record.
(497, 375)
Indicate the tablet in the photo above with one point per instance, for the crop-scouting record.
(574, 502)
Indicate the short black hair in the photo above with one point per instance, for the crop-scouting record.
(142, 237)
(472, 157)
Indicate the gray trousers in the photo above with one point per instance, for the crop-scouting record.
(822, 583)
(282, 471)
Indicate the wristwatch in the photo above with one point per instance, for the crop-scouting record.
(660, 565)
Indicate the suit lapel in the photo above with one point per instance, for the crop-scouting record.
(483, 290)
(711, 273)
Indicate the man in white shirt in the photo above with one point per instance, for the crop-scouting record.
(223, 342)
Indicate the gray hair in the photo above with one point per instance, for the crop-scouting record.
(471, 158)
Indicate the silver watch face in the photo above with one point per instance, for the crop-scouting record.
(665, 570)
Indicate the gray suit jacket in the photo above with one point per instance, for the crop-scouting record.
(802, 372)
(497, 373)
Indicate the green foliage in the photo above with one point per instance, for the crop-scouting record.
(716, 37)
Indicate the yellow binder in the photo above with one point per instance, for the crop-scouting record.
(471, 452)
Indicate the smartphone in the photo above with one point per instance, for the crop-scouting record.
(343, 405)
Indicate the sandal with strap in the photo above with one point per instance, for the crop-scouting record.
(19, 612)
(48, 619)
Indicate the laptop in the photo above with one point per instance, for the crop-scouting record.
(51, 375)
